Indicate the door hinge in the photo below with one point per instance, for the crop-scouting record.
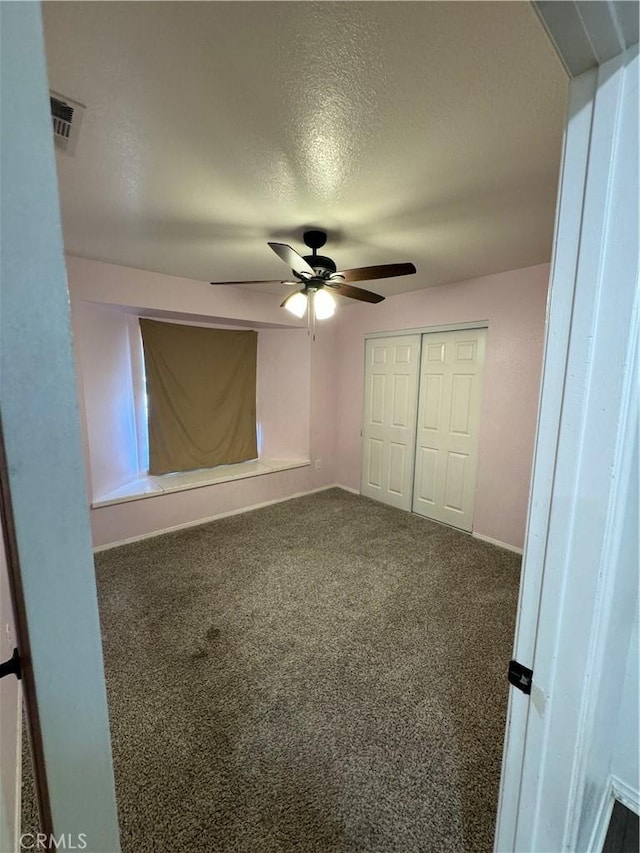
(12, 666)
(520, 676)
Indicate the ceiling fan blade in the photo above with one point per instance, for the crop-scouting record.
(292, 259)
(274, 281)
(355, 292)
(382, 271)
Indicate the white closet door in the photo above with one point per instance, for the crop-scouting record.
(448, 426)
(389, 431)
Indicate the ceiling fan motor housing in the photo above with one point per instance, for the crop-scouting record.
(325, 266)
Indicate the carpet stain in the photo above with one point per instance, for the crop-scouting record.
(213, 634)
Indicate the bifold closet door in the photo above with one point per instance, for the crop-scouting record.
(448, 425)
(389, 425)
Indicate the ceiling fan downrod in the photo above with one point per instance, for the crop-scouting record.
(323, 265)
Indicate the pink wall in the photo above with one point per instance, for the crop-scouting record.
(101, 339)
(110, 284)
(295, 388)
(284, 404)
(135, 518)
(317, 390)
(514, 304)
(324, 402)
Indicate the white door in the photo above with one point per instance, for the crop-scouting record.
(389, 432)
(448, 426)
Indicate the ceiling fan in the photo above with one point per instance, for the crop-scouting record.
(319, 275)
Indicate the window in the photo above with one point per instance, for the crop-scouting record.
(113, 403)
(201, 391)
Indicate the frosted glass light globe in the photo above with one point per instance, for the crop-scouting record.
(297, 304)
(324, 304)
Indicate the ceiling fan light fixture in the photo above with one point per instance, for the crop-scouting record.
(297, 304)
(324, 305)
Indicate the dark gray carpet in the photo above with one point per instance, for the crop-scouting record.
(325, 674)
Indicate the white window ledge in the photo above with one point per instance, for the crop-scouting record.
(152, 486)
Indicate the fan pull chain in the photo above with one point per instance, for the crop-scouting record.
(311, 314)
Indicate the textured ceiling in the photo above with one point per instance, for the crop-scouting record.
(411, 131)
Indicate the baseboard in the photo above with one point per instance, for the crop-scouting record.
(240, 510)
(497, 542)
(209, 518)
(347, 488)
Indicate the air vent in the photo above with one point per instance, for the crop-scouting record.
(66, 116)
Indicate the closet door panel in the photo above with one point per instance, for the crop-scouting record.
(448, 426)
(392, 366)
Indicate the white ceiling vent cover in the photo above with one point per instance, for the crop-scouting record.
(66, 116)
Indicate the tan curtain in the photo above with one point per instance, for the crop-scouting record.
(201, 390)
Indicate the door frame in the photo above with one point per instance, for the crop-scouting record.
(10, 690)
(22, 639)
(593, 309)
(427, 330)
(52, 576)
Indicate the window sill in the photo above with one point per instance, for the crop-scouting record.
(153, 486)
